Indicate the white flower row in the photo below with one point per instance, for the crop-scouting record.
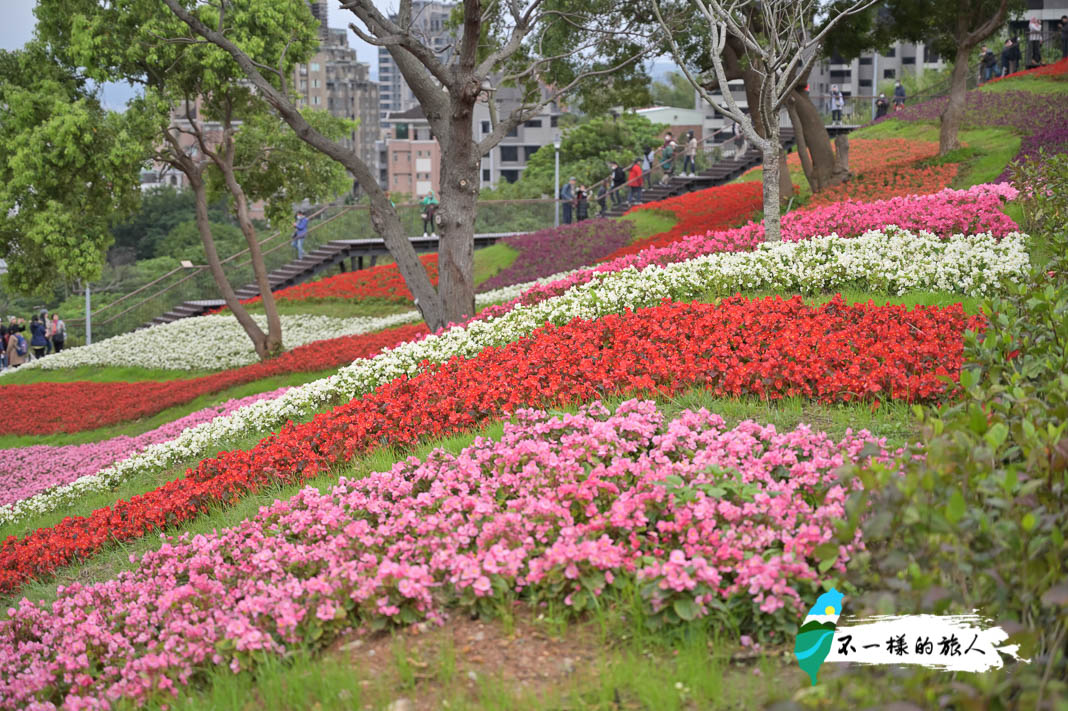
(892, 259)
(217, 342)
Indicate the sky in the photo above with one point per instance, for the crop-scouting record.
(17, 28)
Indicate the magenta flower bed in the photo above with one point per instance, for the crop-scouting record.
(27, 471)
(558, 508)
(947, 212)
(560, 249)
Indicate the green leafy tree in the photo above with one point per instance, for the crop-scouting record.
(161, 210)
(183, 242)
(67, 168)
(676, 91)
(198, 102)
(586, 150)
(495, 45)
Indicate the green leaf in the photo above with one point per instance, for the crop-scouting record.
(955, 507)
(686, 609)
(1028, 521)
(996, 435)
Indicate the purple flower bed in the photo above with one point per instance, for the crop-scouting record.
(559, 249)
(1042, 119)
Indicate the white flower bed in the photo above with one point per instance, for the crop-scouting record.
(893, 259)
(218, 342)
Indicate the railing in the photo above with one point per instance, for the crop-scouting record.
(325, 224)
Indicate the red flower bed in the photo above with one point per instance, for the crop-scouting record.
(698, 212)
(1058, 68)
(92, 405)
(383, 283)
(892, 182)
(768, 347)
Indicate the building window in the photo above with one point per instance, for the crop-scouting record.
(865, 61)
(510, 175)
(315, 66)
(553, 120)
(528, 151)
(929, 55)
(315, 84)
(841, 75)
(402, 131)
(533, 123)
(513, 133)
(485, 127)
(317, 100)
(509, 154)
(889, 74)
(304, 84)
(908, 60)
(485, 175)
(865, 82)
(892, 52)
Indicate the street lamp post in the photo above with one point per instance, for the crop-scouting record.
(88, 316)
(556, 184)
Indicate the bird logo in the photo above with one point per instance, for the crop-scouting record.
(816, 635)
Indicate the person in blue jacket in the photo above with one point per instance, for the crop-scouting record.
(300, 231)
(38, 342)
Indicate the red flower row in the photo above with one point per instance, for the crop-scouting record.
(383, 283)
(888, 183)
(102, 404)
(698, 212)
(768, 347)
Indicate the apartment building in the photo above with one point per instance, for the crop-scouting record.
(410, 157)
(333, 80)
(862, 76)
(430, 26)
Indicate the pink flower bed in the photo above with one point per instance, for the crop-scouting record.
(27, 471)
(558, 508)
(947, 212)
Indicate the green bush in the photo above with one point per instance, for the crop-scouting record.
(979, 521)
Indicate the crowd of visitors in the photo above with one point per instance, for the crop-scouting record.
(625, 182)
(46, 334)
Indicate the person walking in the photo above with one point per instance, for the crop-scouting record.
(837, 104)
(582, 204)
(1034, 33)
(602, 196)
(1064, 36)
(59, 333)
(689, 156)
(882, 106)
(567, 198)
(987, 65)
(37, 337)
(667, 157)
(648, 161)
(429, 204)
(1006, 58)
(635, 182)
(18, 349)
(48, 331)
(619, 179)
(300, 232)
(899, 96)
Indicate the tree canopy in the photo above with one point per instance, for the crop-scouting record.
(68, 167)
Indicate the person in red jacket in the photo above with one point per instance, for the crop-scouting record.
(634, 182)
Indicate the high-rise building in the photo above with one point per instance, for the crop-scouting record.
(334, 80)
(430, 26)
(320, 10)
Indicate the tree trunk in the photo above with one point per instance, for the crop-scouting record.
(841, 149)
(272, 344)
(953, 114)
(772, 167)
(802, 144)
(455, 217)
(825, 171)
(786, 183)
(255, 333)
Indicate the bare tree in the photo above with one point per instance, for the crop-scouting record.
(516, 43)
(778, 44)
